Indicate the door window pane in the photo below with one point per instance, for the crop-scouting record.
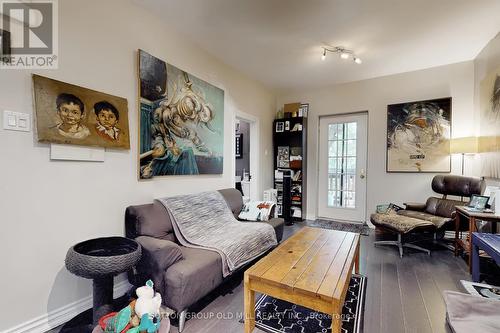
(332, 148)
(351, 147)
(351, 130)
(342, 141)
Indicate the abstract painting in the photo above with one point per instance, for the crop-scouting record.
(490, 112)
(69, 114)
(418, 136)
(181, 125)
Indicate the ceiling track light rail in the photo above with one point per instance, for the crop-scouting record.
(342, 52)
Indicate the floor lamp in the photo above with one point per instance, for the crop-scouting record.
(467, 145)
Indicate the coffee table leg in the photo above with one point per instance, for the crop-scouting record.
(356, 260)
(249, 307)
(336, 320)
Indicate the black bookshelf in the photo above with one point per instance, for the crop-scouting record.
(289, 141)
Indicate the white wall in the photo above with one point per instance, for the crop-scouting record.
(374, 95)
(48, 206)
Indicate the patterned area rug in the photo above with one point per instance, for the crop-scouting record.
(277, 316)
(358, 228)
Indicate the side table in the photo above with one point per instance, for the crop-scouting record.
(471, 217)
(101, 259)
(490, 244)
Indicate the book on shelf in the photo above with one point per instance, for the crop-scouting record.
(297, 176)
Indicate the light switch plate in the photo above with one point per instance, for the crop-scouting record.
(16, 121)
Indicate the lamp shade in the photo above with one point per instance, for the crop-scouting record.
(467, 145)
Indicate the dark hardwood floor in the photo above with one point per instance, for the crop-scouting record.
(403, 294)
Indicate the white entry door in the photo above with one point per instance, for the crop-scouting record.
(342, 167)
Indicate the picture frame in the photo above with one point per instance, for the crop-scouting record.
(280, 127)
(238, 145)
(418, 136)
(5, 47)
(283, 158)
(203, 152)
(98, 119)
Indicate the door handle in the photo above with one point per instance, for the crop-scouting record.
(362, 174)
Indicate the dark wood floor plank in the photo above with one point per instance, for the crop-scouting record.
(432, 296)
(391, 316)
(371, 267)
(414, 310)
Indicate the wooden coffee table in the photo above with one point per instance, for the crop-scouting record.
(312, 269)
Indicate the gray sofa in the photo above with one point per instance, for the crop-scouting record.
(182, 275)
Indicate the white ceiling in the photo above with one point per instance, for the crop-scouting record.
(278, 42)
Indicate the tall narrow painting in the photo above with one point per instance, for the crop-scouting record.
(489, 99)
(181, 125)
(418, 136)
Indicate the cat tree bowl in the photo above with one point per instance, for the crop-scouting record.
(101, 259)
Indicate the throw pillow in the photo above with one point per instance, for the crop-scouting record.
(256, 211)
(388, 209)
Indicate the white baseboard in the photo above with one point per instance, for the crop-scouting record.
(63, 314)
(311, 217)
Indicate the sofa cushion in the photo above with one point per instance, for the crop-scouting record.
(157, 256)
(165, 253)
(399, 223)
(278, 225)
(442, 207)
(148, 220)
(438, 221)
(234, 200)
(191, 278)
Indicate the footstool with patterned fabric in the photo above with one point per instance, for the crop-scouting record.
(401, 225)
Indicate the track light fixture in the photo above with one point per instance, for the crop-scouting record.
(342, 52)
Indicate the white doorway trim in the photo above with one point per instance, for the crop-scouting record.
(255, 188)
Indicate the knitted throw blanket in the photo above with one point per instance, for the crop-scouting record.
(204, 220)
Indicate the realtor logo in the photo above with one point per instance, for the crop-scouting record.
(32, 26)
